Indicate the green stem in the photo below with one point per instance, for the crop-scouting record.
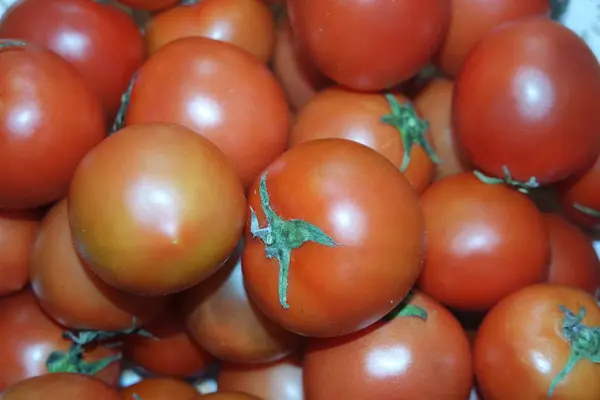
(119, 121)
(8, 43)
(523, 187)
(72, 361)
(83, 338)
(406, 309)
(590, 212)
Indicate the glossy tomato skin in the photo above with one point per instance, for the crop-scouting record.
(406, 352)
(484, 241)
(520, 348)
(471, 20)
(28, 338)
(347, 114)
(149, 5)
(160, 389)
(219, 91)
(378, 57)
(47, 129)
(100, 40)
(531, 111)
(18, 230)
(61, 386)
(161, 188)
(229, 396)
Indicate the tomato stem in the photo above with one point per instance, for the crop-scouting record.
(411, 128)
(583, 340)
(590, 212)
(85, 337)
(136, 396)
(406, 309)
(282, 236)
(72, 361)
(523, 187)
(8, 43)
(119, 121)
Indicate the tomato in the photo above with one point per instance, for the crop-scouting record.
(248, 24)
(171, 351)
(29, 337)
(524, 100)
(149, 5)
(275, 381)
(395, 359)
(471, 20)
(222, 319)
(387, 124)
(229, 396)
(50, 120)
(100, 40)
(574, 261)
(61, 386)
(540, 343)
(475, 242)
(155, 209)
(370, 45)
(221, 92)
(160, 389)
(331, 220)
(18, 230)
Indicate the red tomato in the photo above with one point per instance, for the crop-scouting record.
(171, 351)
(100, 40)
(540, 343)
(275, 381)
(29, 337)
(475, 242)
(405, 358)
(18, 230)
(149, 5)
(334, 220)
(248, 24)
(229, 396)
(387, 124)
(526, 99)
(221, 92)
(155, 209)
(370, 45)
(471, 20)
(222, 319)
(64, 386)
(160, 389)
(50, 120)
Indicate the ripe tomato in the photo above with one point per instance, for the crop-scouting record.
(229, 396)
(155, 209)
(160, 389)
(525, 100)
(248, 24)
(29, 337)
(275, 381)
(227, 324)
(61, 386)
(370, 45)
(171, 351)
(539, 343)
(100, 40)
(18, 230)
(334, 220)
(50, 120)
(475, 235)
(387, 124)
(222, 93)
(471, 20)
(393, 360)
(149, 5)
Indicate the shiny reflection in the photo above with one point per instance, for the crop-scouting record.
(205, 111)
(34, 356)
(534, 94)
(349, 223)
(71, 43)
(221, 30)
(476, 239)
(541, 362)
(388, 362)
(155, 203)
(22, 121)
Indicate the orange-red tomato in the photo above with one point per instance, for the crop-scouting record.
(149, 5)
(160, 389)
(228, 396)
(63, 386)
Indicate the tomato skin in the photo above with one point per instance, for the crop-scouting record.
(149, 5)
(531, 112)
(229, 396)
(520, 349)
(160, 389)
(475, 235)
(347, 114)
(363, 59)
(406, 353)
(45, 130)
(18, 230)
(233, 100)
(60, 386)
(159, 187)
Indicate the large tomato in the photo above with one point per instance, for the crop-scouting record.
(225, 322)
(101, 41)
(160, 389)
(335, 238)
(65, 386)
(476, 233)
(221, 92)
(540, 343)
(50, 120)
(395, 359)
(370, 45)
(526, 99)
(388, 124)
(155, 209)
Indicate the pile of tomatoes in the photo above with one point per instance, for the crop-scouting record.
(301, 199)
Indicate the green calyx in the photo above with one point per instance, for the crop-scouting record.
(72, 361)
(85, 337)
(406, 309)
(8, 43)
(590, 212)
(583, 340)
(558, 8)
(523, 187)
(119, 121)
(281, 236)
(412, 129)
